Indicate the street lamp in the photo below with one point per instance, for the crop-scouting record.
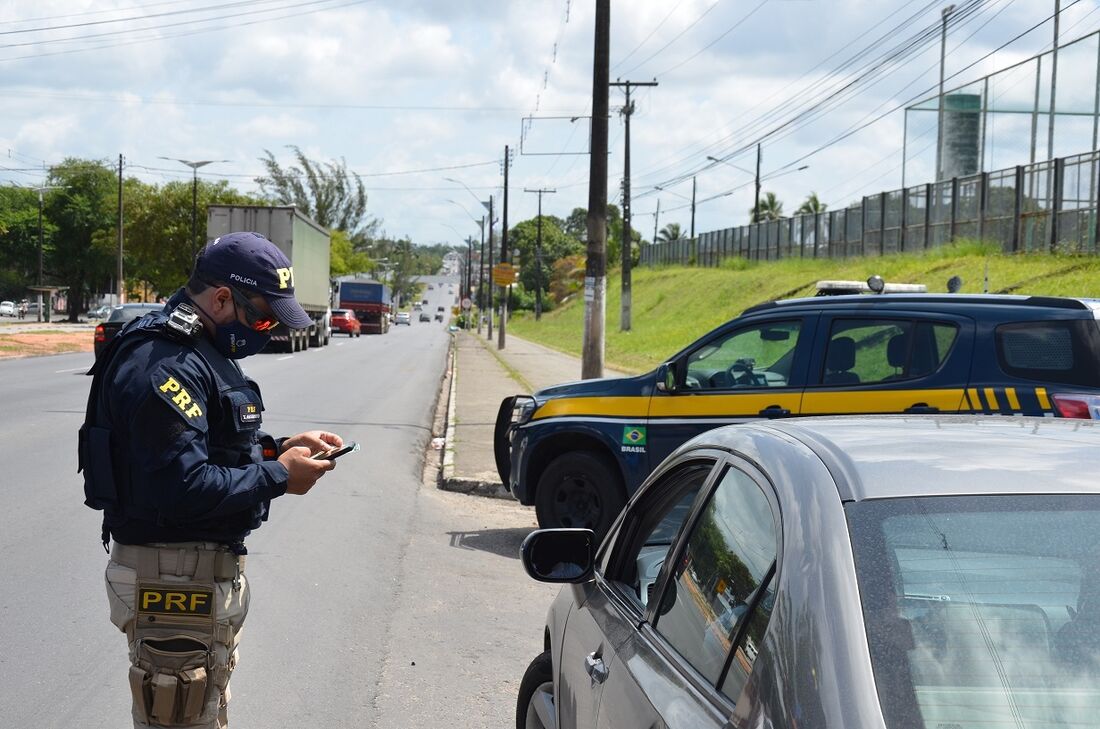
(685, 197)
(194, 192)
(946, 15)
(460, 182)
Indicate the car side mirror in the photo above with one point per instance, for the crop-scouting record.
(666, 377)
(559, 555)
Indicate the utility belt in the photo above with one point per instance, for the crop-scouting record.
(177, 669)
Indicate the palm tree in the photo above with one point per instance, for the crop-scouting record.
(811, 205)
(671, 232)
(770, 208)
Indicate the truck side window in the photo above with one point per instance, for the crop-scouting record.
(758, 356)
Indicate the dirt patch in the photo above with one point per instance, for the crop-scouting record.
(33, 344)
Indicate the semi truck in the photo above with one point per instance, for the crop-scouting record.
(306, 244)
(371, 302)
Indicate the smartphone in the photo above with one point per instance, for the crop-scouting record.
(333, 453)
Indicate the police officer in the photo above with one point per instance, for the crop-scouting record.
(172, 452)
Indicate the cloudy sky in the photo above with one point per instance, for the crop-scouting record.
(413, 92)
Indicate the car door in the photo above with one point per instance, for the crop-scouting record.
(687, 664)
(748, 370)
(606, 613)
(889, 362)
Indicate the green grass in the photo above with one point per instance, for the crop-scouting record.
(674, 305)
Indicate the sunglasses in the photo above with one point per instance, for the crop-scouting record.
(256, 319)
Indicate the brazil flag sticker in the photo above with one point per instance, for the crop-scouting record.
(634, 435)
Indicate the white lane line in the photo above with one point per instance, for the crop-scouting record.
(289, 356)
(73, 369)
(339, 344)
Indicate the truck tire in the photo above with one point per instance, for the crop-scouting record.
(580, 489)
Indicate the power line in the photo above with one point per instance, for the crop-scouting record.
(740, 21)
(645, 40)
(677, 37)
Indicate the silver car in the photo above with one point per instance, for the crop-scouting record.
(886, 573)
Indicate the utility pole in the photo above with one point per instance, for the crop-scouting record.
(625, 299)
(693, 207)
(1053, 80)
(656, 217)
(41, 189)
(194, 195)
(505, 251)
(945, 14)
(492, 284)
(481, 276)
(756, 206)
(538, 252)
(121, 288)
(595, 274)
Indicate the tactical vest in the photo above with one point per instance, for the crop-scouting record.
(232, 439)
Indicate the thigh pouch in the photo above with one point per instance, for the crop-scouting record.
(174, 671)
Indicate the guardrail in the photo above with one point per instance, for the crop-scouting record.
(1046, 206)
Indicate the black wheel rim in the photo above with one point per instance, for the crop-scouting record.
(577, 502)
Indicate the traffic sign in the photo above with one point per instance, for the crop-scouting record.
(466, 303)
(504, 274)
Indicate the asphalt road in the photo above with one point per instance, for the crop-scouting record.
(378, 601)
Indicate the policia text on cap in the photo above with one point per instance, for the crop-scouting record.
(172, 452)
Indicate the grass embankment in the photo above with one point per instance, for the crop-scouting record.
(36, 343)
(674, 305)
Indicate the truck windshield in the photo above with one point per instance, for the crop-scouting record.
(982, 611)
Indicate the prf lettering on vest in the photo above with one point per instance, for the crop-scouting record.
(180, 602)
(286, 276)
(182, 398)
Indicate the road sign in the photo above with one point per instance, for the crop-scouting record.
(466, 304)
(504, 274)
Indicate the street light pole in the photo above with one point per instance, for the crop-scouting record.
(538, 252)
(194, 165)
(945, 14)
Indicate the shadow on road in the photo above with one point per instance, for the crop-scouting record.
(503, 542)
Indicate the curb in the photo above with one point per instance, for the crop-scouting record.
(447, 479)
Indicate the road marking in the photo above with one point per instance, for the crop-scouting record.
(339, 344)
(73, 369)
(289, 356)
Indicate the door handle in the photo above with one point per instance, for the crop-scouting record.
(922, 408)
(595, 668)
(774, 411)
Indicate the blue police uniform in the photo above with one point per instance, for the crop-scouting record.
(175, 452)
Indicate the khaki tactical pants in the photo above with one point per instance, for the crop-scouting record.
(181, 606)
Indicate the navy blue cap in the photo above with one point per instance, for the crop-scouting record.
(254, 265)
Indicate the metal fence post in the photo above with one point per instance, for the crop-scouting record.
(817, 231)
(927, 214)
(1056, 200)
(882, 223)
(904, 219)
(954, 206)
(983, 197)
(1017, 208)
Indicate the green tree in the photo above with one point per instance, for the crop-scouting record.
(19, 240)
(670, 233)
(811, 205)
(84, 211)
(326, 191)
(345, 259)
(555, 245)
(770, 208)
(576, 227)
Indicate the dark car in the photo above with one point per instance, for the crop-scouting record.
(119, 316)
(345, 320)
(440, 313)
(863, 572)
(424, 316)
(577, 451)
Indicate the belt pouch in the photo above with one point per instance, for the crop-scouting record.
(164, 698)
(194, 692)
(139, 688)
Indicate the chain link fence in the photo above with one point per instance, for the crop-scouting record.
(1047, 206)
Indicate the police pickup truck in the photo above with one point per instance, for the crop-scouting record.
(577, 451)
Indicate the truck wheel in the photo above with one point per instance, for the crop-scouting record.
(535, 691)
(581, 489)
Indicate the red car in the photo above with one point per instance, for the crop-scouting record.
(344, 320)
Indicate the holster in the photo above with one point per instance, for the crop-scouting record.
(174, 673)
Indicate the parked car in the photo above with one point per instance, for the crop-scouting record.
(7, 308)
(345, 320)
(424, 316)
(403, 318)
(118, 318)
(99, 312)
(881, 572)
(577, 451)
(440, 313)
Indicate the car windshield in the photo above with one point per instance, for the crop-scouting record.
(982, 611)
(126, 313)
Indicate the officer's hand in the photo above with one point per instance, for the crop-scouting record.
(304, 471)
(315, 440)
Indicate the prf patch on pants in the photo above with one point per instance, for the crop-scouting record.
(172, 600)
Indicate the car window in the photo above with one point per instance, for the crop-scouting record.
(126, 313)
(1051, 351)
(652, 527)
(730, 553)
(867, 351)
(757, 356)
(982, 610)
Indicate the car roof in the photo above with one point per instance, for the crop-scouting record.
(935, 300)
(877, 457)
